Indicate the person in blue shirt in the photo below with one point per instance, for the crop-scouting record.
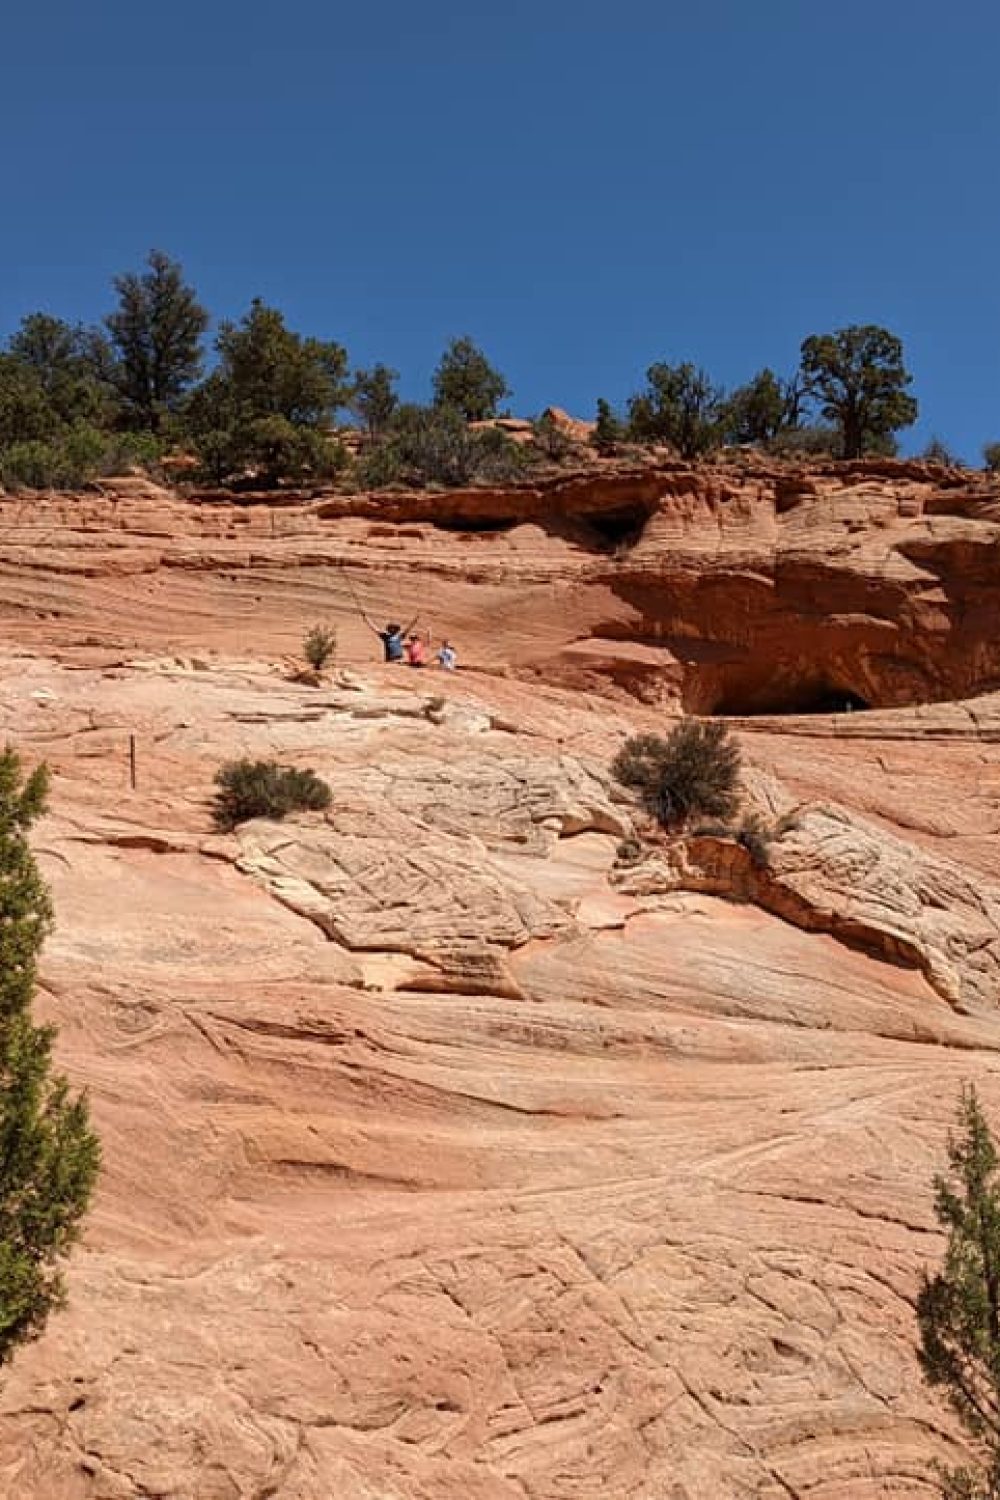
(392, 637)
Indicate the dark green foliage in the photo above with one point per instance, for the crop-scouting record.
(433, 446)
(679, 406)
(608, 432)
(156, 333)
(272, 371)
(991, 457)
(694, 771)
(427, 445)
(265, 413)
(26, 415)
(551, 438)
(72, 366)
(320, 647)
(380, 467)
(858, 380)
(760, 411)
(374, 399)
(466, 382)
(48, 1155)
(264, 789)
(58, 408)
(806, 442)
(76, 456)
(958, 1309)
(937, 452)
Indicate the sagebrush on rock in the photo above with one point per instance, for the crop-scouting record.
(320, 647)
(263, 789)
(694, 771)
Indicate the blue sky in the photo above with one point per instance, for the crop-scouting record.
(583, 188)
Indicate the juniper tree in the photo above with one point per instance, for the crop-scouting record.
(608, 430)
(467, 383)
(156, 332)
(958, 1308)
(760, 411)
(374, 398)
(48, 1153)
(268, 406)
(680, 406)
(858, 379)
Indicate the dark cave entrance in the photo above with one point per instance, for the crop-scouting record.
(771, 702)
(621, 527)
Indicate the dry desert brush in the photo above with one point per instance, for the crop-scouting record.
(263, 789)
(320, 647)
(49, 1156)
(693, 772)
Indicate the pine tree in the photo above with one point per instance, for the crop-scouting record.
(467, 383)
(374, 398)
(156, 333)
(267, 407)
(958, 1309)
(48, 1154)
(608, 431)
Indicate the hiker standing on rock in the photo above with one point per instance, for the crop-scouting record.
(392, 637)
(415, 651)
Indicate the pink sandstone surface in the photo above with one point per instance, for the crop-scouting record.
(448, 1151)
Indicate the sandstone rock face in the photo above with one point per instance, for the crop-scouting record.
(746, 589)
(447, 1151)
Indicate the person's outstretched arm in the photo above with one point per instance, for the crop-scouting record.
(369, 623)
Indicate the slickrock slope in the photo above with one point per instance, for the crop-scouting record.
(449, 1154)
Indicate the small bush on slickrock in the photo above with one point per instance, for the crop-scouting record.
(263, 789)
(693, 772)
(320, 647)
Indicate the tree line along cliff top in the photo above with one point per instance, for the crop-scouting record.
(266, 406)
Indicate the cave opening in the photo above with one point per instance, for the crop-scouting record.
(621, 527)
(809, 698)
(476, 524)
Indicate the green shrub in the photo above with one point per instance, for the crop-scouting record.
(957, 1312)
(263, 789)
(31, 465)
(680, 406)
(378, 467)
(320, 647)
(937, 452)
(695, 770)
(991, 457)
(76, 456)
(270, 450)
(49, 1156)
(609, 432)
(551, 438)
(426, 445)
(806, 442)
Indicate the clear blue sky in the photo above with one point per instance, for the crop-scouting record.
(583, 188)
